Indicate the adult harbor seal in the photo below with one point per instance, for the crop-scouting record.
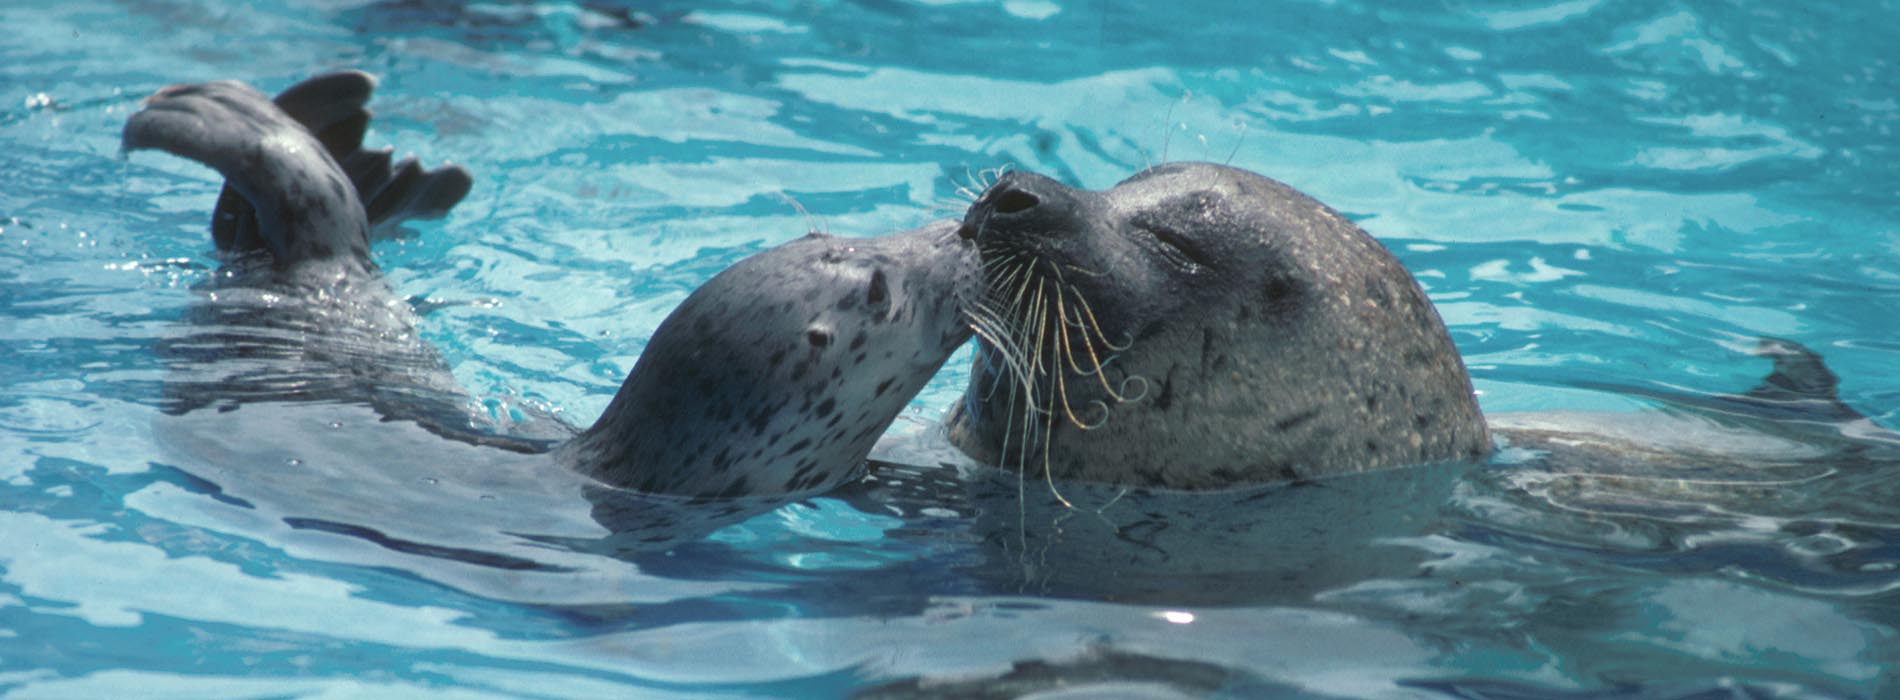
(1266, 337)
(774, 378)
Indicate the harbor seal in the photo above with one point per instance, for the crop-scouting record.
(1196, 327)
(776, 377)
(779, 374)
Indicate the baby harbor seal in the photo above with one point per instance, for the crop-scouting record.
(1265, 337)
(780, 373)
(775, 377)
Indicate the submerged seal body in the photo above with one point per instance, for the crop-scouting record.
(775, 377)
(1199, 326)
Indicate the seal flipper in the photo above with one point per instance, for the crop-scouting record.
(302, 206)
(1800, 389)
(333, 108)
(1801, 386)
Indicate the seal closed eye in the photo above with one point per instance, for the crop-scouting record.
(1199, 326)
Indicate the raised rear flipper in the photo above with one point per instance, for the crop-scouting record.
(332, 107)
(298, 182)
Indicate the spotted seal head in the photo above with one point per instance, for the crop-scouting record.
(1199, 326)
(775, 377)
(780, 373)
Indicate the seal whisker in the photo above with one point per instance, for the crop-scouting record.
(1009, 352)
(1167, 137)
(1068, 349)
(1062, 384)
(1238, 139)
(1135, 379)
(1100, 373)
(1084, 270)
(1090, 311)
(1049, 415)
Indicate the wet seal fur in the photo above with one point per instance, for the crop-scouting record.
(780, 373)
(774, 378)
(1197, 327)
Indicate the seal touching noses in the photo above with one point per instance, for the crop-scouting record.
(780, 373)
(1199, 326)
(776, 377)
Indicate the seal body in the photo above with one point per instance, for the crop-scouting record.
(1197, 327)
(774, 378)
(779, 374)
(298, 311)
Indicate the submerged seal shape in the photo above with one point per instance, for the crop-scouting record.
(775, 377)
(1199, 326)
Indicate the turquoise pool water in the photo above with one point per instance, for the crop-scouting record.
(1593, 191)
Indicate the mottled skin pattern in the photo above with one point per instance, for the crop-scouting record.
(774, 378)
(298, 312)
(779, 374)
(1275, 340)
(305, 207)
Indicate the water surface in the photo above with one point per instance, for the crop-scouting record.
(1592, 191)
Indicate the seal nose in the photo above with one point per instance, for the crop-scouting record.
(1016, 197)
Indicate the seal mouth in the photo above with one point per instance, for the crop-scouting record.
(1037, 329)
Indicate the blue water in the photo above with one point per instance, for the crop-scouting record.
(1592, 191)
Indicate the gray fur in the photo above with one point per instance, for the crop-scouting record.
(774, 378)
(1266, 337)
(306, 209)
(780, 373)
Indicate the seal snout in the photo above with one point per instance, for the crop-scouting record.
(1019, 201)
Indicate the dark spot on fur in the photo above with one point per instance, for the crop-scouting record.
(1207, 350)
(824, 409)
(738, 488)
(1296, 420)
(857, 341)
(882, 386)
(818, 338)
(1281, 291)
(1377, 293)
(879, 291)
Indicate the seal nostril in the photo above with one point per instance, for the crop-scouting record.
(1015, 201)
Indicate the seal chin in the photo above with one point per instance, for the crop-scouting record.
(1199, 326)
